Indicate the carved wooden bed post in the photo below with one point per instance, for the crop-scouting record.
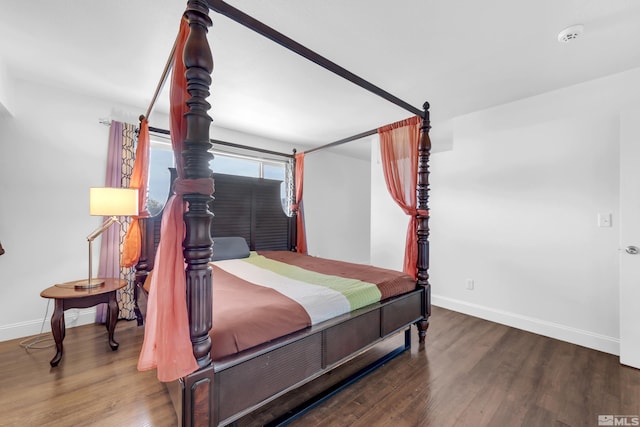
(424, 151)
(198, 61)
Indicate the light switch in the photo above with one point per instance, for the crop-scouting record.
(604, 220)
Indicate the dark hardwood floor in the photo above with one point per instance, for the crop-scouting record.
(470, 373)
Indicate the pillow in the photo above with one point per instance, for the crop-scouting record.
(229, 248)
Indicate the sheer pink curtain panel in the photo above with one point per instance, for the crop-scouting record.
(301, 235)
(399, 154)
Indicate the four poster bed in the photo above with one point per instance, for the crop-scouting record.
(238, 371)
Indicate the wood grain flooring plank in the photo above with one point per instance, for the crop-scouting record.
(471, 372)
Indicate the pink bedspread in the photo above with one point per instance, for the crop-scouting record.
(246, 314)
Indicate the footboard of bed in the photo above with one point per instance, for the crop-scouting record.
(241, 383)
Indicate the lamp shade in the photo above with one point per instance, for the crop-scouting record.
(113, 201)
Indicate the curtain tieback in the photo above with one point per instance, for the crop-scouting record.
(188, 186)
(294, 207)
(143, 214)
(420, 212)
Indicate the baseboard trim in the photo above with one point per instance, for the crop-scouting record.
(72, 318)
(537, 326)
(75, 317)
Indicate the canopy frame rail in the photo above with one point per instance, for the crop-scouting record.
(253, 24)
(230, 144)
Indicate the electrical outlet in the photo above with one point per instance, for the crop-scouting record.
(470, 284)
(71, 317)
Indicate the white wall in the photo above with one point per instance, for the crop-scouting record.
(51, 151)
(250, 140)
(6, 92)
(514, 208)
(388, 222)
(337, 206)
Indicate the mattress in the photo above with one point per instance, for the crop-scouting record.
(274, 293)
(270, 294)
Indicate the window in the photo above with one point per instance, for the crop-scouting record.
(161, 159)
(232, 165)
(235, 164)
(273, 171)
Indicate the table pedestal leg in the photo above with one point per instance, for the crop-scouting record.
(58, 330)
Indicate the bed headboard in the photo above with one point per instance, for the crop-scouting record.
(242, 206)
(250, 208)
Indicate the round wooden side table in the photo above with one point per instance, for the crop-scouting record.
(70, 295)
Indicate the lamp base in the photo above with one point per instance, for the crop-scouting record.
(83, 284)
(88, 284)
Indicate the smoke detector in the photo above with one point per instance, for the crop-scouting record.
(570, 33)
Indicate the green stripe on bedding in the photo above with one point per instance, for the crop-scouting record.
(357, 292)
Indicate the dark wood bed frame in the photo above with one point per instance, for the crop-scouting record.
(222, 391)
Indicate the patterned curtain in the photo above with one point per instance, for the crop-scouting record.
(290, 190)
(121, 154)
(139, 179)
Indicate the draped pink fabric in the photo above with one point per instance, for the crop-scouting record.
(301, 238)
(399, 149)
(139, 180)
(167, 344)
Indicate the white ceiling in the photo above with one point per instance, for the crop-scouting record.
(460, 55)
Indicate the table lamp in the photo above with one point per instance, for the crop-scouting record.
(111, 202)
